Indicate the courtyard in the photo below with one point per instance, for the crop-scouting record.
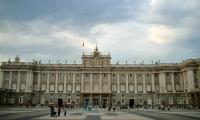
(99, 114)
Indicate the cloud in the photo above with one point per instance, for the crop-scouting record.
(39, 38)
(132, 30)
(128, 40)
(162, 34)
(161, 30)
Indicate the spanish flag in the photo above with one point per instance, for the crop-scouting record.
(83, 44)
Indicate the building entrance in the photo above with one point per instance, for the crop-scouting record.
(95, 102)
(60, 102)
(104, 103)
(86, 102)
(131, 103)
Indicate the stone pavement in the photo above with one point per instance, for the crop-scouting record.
(175, 112)
(96, 114)
(185, 113)
(182, 112)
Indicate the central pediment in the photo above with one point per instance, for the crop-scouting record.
(96, 59)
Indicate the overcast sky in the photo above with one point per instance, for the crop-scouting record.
(140, 30)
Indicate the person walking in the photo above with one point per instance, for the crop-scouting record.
(114, 108)
(109, 107)
(52, 109)
(59, 109)
(65, 110)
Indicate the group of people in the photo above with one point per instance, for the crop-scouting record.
(88, 108)
(113, 107)
(54, 113)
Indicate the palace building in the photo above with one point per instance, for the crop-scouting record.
(98, 82)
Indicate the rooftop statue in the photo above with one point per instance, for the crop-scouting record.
(96, 51)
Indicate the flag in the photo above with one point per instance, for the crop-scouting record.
(83, 44)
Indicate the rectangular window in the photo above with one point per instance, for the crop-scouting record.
(130, 75)
(122, 100)
(70, 74)
(148, 75)
(104, 75)
(175, 74)
(60, 74)
(43, 74)
(168, 74)
(156, 75)
(68, 100)
(78, 75)
(77, 100)
(86, 75)
(122, 75)
(113, 75)
(139, 75)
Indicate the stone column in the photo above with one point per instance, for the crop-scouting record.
(82, 82)
(90, 100)
(1, 78)
(100, 82)
(181, 81)
(47, 88)
(109, 83)
(91, 82)
(18, 81)
(127, 91)
(10, 81)
(56, 87)
(152, 82)
(100, 101)
(162, 82)
(27, 81)
(144, 83)
(39, 78)
(190, 79)
(118, 83)
(65, 80)
(135, 83)
(73, 89)
(196, 102)
(30, 81)
(184, 81)
(172, 81)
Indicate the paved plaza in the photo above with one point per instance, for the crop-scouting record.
(98, 114)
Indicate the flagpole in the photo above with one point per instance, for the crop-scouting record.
(83, 48)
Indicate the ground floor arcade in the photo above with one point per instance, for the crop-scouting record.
(101, 100)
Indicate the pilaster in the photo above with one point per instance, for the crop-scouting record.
(18, 81)
(73, 89)
(10, 81)
(118, 83)
(47, 88)
(127, 91)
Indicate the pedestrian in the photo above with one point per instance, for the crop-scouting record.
(114, 108)
(65, 111)
(109, 108)
(53, 113)
(168, 107)
(51, 109)
(59, 108)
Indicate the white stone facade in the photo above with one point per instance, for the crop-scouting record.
(97, 82)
